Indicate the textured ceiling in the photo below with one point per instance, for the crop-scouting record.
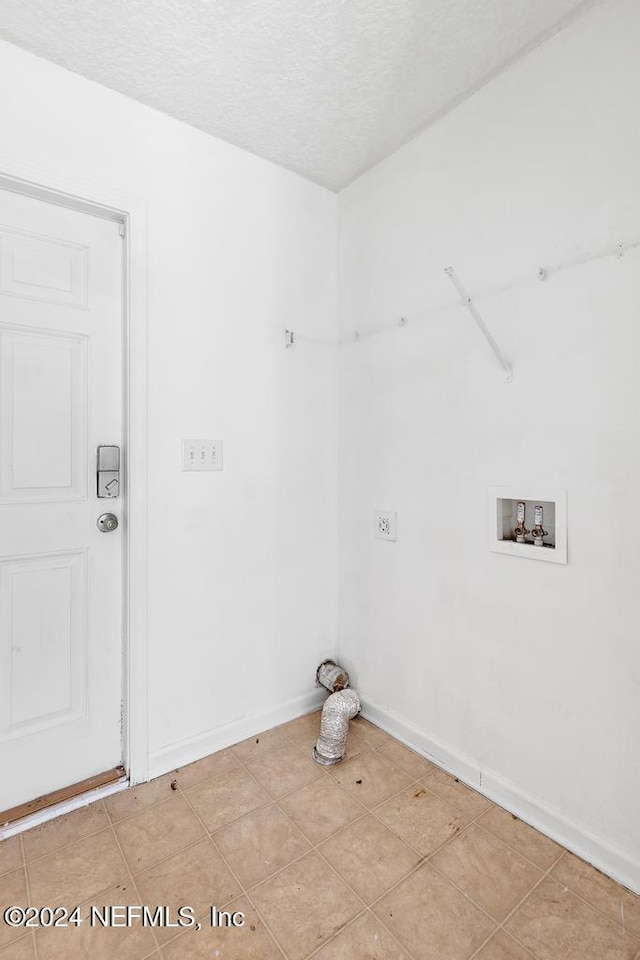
(323, 87)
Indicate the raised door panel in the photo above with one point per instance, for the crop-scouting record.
(43, 447)
(44, 655)
(35, 267)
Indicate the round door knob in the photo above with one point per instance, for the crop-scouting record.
(107, 522)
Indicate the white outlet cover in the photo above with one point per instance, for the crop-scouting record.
(199, 455)
(384, 525)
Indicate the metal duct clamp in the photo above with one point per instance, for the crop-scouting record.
(331, 676)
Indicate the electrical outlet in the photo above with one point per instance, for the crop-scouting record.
(384, 525)
(202, 455)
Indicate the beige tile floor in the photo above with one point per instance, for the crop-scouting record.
(383, 857)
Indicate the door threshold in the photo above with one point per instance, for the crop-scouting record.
(27, 815)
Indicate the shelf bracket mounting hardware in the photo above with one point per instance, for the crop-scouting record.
(467, 302)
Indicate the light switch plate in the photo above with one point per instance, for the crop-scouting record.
(384, 525)
(201, 455)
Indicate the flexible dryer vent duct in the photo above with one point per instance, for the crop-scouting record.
(338, 709)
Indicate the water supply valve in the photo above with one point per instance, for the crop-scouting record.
(520, 531)
(538, 533)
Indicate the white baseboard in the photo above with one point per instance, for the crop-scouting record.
(595, 850)
(181, 752)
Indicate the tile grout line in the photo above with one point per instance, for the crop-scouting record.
(326, 942)
(331, 836)
(103, 890)
(510, 845)
(190, 846)
(313, 847)
(134, 884)
(518, 853)
(156, 952)
(408, 952)
(97, 892)
(158, 863)
(501, 924)
(427, 858)
(366, 811)
(263, 919)
(245, 763)
(230, 869)
(276, 801)
(371, 810)
(546, 871)
(475, 821)
(184, 790)
(208, 833)
(71, 843)
(27, 882)
(491, 937)
(306, 955)
(319, 853)
(587, 903)
(100, 804)
(346, 926)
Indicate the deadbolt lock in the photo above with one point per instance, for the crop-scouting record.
(108, 472)
(107, 522)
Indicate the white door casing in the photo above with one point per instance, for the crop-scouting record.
(61, 394)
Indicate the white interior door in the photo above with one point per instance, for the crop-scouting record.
(61, 617)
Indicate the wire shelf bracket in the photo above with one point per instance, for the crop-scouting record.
(467, 302)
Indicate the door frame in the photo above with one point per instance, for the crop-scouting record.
(24, 177)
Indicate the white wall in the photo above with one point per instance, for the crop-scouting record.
(242, 590)
(523, 677)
